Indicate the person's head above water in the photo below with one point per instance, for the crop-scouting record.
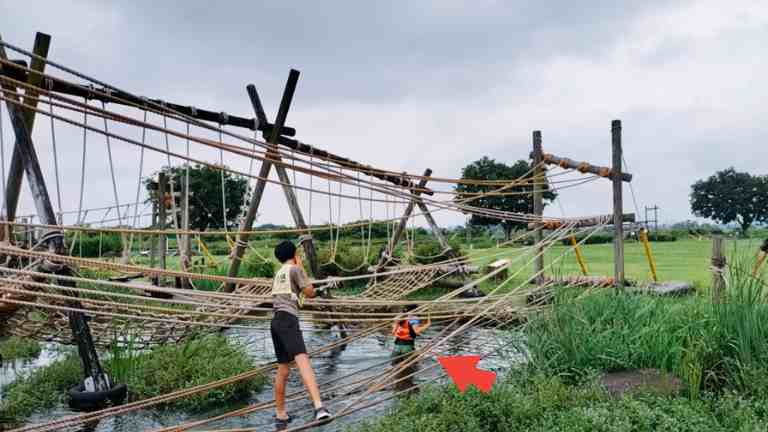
(285, 251)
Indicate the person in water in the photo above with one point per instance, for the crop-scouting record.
(289, 287)
(405, 332)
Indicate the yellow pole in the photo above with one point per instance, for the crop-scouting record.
(579, 257)
(648, 254)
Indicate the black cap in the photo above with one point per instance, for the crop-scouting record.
(285, 250)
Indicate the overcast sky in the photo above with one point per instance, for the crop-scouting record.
(410, 85)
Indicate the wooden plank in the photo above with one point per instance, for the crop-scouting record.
(121, 98)
(618, 210)
(552, 224)
(16, 169)
(538, 205)
(583, 167)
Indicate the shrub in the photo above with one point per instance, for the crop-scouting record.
(662, 237)
(597, 238)
(164, 369)
(15, 347)
(168, 368)
(430, 252)
(538, 403)
(43, 388)
(255, 266)
(349, 260)
(97, 244)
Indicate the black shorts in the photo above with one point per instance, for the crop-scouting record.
(286, 336)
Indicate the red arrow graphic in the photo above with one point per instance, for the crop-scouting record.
(464, 372)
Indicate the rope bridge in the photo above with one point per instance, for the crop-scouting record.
(37, 303)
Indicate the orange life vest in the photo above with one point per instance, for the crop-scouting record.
(405, 332)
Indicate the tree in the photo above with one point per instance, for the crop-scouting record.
(520, 200)
(731, 196)
(205, 203)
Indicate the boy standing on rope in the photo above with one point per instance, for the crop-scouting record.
(289, 286)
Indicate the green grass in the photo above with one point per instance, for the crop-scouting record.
(14, 347)
(529, 401)
(711, 346)
(162, 370)
(719, 350)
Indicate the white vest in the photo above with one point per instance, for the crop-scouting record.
(282, 282)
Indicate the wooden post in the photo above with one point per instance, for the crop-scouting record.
(718, 266)
(162, 189)
(383, 260)
(95, 378)
(618, 210)
(266, 165)
(16, 169)
(538, 206)
(258, 192)
(282, 174)
(435, 228)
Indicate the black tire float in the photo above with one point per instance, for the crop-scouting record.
(81, 400)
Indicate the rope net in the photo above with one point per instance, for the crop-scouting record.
(35, 304)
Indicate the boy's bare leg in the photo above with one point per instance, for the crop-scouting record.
(308, 376)
(281, 378)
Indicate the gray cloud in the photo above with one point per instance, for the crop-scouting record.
(407, 85)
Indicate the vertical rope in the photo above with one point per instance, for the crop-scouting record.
(141, 172)
(82, 169)
(186, 194)
(138, 181)
(111, 165)
(223, 189)
(330, 223)
(311, 183)
(2, 157)
(55, 159)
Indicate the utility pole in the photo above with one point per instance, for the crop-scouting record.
(538, 206)
(618, 209)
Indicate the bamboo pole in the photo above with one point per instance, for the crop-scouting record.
(648, 253)
(579, 256)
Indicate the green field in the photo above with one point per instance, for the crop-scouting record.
(682, 260)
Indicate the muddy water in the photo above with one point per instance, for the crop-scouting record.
(339, 367)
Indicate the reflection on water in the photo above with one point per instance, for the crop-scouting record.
(339, 369)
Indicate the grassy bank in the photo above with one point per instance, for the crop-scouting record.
(720, 352)
(162, 370)
(16, 348)
(529, 401)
